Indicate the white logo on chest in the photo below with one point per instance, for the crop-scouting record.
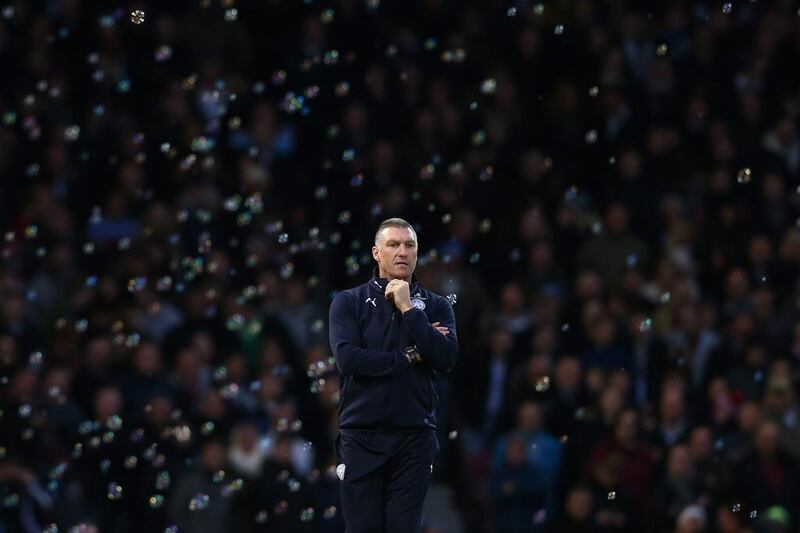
(418, 303)
(372, 301)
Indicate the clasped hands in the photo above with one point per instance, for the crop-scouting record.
(398, 292)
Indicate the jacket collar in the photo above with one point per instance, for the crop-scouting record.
(379, 284)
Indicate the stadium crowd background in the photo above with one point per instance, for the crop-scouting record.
(608, 190)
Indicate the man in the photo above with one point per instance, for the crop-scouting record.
(389, 337)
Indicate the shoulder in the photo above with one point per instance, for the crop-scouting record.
(349, 296)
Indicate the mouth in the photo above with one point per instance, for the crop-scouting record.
(401, 263)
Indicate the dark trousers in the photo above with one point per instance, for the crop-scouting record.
(383, 479)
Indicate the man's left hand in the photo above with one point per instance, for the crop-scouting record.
(398, 292)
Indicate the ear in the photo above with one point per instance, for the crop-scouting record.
(375, 253)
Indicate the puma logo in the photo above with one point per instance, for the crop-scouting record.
(372, 301)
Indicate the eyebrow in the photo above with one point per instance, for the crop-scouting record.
(395, 241)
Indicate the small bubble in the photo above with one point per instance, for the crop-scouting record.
(453, 435)
(71, 133)
(163, 53)
(231, 14)
(488, 86)
(199, 502)
(662, 49)
(307, 515)
(156, 501)
(540, 516)
(478, 138)
(612, 495)
(137, 16)
(744, 176)
(559, 29)
(163, 480)
(594, 91)
(727, 7)
(590, 137)
(538, 9)
(327, 16)
(114, 491)
(261, 516)
(342, 89)
(511, 12)
(753, 514)
(357, 180)
(736, 507)
(542, 384)
(11, 500)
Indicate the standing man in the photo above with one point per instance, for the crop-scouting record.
(390, 338)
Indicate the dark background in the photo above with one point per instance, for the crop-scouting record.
(609, 191)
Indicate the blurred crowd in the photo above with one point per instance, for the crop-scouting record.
(609, 192)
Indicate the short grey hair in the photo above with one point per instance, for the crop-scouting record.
(393, 223)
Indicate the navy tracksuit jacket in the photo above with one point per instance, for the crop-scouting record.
(387, 407)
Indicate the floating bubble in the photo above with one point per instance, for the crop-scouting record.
(542, 384)
(342, 89)
(489, 86)
(71, 133)
(744, 176)
(594, 91)
(330, 512)
(155, 501)
(307, 515)
(727, 7)
(453, 435)
(590, 137)
(114, 491)
(559, 29)
(137, 16)
(231, 14)
(199, 502)
(163, 480)
(612, 495)
(163, 53)
(736, 507)
(662, 49)
(261, 516)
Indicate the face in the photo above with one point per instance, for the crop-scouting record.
(396, 253)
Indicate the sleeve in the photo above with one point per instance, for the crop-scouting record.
(351, 358)
(438, 351)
